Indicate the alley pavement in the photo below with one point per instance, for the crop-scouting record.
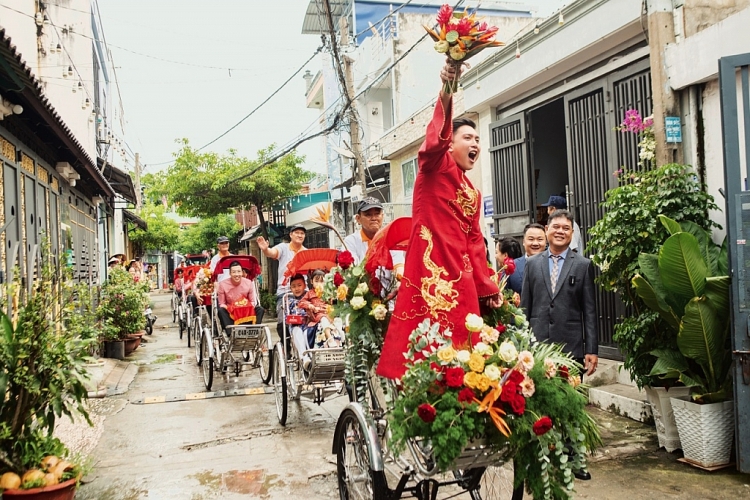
(156, 437)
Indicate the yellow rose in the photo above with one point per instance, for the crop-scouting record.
(483, 382)
(476, 362)
(446, 355)
(470, 380)
(341, 292)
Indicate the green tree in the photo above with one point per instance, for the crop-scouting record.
(155, 187)
(162, 233)
(202, 236)
(210, 184)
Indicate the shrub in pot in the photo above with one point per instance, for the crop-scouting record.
(45, 342)
(687, 285)
(121, 306)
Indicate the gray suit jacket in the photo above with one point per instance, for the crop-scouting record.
(569, 316)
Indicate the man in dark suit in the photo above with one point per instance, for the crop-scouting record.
(534, 242)
(558, 297)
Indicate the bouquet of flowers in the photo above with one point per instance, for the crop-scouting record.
(203, 282)
(524, 398)
(461, 36)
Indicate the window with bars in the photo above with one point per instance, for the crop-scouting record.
(409, 175)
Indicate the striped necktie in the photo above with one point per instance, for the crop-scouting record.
(555, 269)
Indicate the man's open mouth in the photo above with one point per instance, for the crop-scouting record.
(472, 155)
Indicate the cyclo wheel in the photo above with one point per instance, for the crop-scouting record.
(356, 478)
(197, 329)
(188, 325)
(264, 357)
(496, 483)
(207, 364)
(279, 384)
(292, 378)
(181, 319)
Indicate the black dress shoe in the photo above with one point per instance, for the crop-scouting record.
(583, 476)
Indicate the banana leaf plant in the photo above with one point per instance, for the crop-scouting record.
(688, 286)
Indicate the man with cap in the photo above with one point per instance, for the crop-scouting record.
(559, 203)
(284, 253)
(222, 243)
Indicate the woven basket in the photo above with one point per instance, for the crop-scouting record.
(706, 431)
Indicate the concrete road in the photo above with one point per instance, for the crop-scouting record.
(234, 448)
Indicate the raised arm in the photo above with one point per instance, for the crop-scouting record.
(439, 132)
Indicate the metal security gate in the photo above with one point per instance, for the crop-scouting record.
(735, 116)
(511, 185)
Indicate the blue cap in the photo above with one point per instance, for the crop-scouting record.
(556, 201)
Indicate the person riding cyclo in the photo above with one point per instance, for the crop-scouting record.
(236, 297)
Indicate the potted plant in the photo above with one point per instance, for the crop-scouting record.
(121, 307)
(629, 228)
(687, 285)
(44, 345)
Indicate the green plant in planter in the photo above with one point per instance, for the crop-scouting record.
(44, 345)
(121, 306)
(687, 285)
(629, 228)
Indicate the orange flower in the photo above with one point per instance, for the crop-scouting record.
(487, 405)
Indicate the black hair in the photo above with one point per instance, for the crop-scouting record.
(510, 247)
(460, 122)
(533, 225)
(317, 272)
(235, 263)
(296, 277)
(180, 271)
(561, 212)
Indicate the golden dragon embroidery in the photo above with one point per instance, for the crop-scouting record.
(436, 292)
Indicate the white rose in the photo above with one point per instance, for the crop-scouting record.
(463, 356)
(358, 302)
(492, 372)
(474, 323)
(380, 312)
(361, 289)
(508, 352)
(483, 348)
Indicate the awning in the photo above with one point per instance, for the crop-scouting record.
(120, 181)
(376, 176)
(131, 217)
(255, 230)
(316, 22)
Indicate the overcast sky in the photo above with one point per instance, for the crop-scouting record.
(261, 40)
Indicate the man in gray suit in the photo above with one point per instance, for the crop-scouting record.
(558, 294)
(558, 297)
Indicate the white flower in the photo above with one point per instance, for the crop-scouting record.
(527, 387)
(483, 348)
(527, 360)
(358, 302)
(489, 335)
(463, 356)
(508, 351)
(492, 372)
(361, 289)
(474, 323)
(550, 370)
(379, 312)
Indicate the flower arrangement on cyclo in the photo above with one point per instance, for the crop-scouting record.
(524, 398)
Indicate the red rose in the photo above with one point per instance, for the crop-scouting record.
(500, 327)
(338, 280)
(427, 412)
(510, 390)
(563, 371)
(510, 266)
(375, 286)
(454, 377)
(516, 377)
(542, 425)
(345, 259)
(466, 395)
(518, 404)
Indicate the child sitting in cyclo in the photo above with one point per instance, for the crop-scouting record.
(320, 331)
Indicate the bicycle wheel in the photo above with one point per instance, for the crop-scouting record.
(188, 325)
(181, 319)
(293, 378)
(197, 330)
(207, 365)
(264, 357)
(279, 385)
(356, 478)
(174, 309)
(497, 484)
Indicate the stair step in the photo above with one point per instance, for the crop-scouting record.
(622, 399)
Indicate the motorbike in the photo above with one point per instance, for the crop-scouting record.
(150, 320)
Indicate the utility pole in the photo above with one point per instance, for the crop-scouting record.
(138, 201)
(353, 120)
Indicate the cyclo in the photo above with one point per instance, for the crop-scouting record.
(384, 441)
(246, 344)
(184, 314)
(326, 370)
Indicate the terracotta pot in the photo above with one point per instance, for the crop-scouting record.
(131, 344)
(62, 491)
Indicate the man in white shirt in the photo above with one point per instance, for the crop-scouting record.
(223, 244)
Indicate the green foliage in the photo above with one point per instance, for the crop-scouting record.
(268, 300)
(121, 305)
(629, 228)
(679, 285)
(209, 184)
(162, 233)
(44, 346)
(202, 236)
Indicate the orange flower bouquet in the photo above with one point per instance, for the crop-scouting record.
(461, 36)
